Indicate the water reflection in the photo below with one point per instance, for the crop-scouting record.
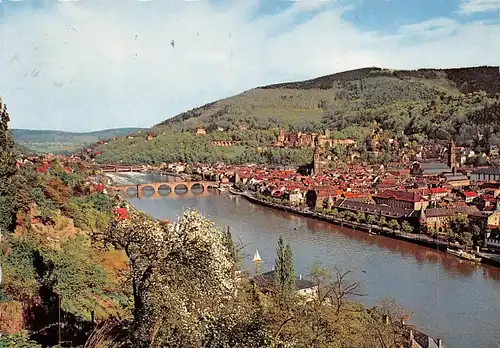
(178, 193)
(421, 254)
(452, 299)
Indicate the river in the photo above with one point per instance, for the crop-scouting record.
(450, 298)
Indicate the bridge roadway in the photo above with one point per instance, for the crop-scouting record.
(156, 186)
(121, 169)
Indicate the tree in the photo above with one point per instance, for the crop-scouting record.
(360, 217)
(284, 276)
(183, 284)
(75, 275)
(459, 223)
(350, 215)
(466, 239)
(406, 227)
(230, 244)
(19, 340)
(382, 221)
(477, 234)
(371, 219)
(8, 172)
(393, 225)
(101, 202)
(342, 215)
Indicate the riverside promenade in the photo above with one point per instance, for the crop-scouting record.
(419, 239)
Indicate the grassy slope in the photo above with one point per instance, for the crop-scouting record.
(50, 140)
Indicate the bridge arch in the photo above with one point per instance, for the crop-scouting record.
(198, 186)
(131, 191)
(181, 186)
(148, 190)
(164, 189)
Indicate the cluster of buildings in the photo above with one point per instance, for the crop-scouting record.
(425, 194)
(43, 162)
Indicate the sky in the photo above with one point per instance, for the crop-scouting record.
(87, 65)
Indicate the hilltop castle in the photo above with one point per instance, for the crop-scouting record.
(300, 139)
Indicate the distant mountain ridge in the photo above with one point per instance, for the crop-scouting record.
(57, 141)
(466, 80)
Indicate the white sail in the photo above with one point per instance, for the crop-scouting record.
(256, 257)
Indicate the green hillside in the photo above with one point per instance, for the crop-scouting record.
(57, 141)
(412, 105)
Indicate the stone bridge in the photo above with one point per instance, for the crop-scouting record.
(121, 169)
(139, 189)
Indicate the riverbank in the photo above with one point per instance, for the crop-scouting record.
(372, 229)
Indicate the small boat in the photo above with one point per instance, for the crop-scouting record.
(256, 257)
(463, 255)
(372, 233)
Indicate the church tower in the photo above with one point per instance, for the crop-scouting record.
(452, 155)
(316, 157)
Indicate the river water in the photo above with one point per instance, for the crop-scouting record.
(450, 298)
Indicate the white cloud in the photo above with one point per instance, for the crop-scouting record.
(468, 7)
(93, 73)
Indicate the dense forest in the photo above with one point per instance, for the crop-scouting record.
(76, 275)
(419, 106)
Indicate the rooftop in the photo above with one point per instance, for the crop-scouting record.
(436, 212)
(266, 280)
(491, 170)
(374, 209)
(400, 195)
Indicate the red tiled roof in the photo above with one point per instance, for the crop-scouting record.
(438, 190)
(400, 195)
(353, 195)
(470, 194)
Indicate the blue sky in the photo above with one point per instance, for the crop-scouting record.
(92, 64)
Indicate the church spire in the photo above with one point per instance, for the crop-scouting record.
(452, 155)
(316, 157)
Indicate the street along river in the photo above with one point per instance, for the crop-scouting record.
(451, 298)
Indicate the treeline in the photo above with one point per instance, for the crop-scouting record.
(172, 146)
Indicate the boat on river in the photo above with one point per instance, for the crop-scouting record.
(256, 257)
(463, 255)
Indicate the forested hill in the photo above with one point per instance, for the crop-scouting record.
(414, 105)
(466, 80)
(56, 141)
